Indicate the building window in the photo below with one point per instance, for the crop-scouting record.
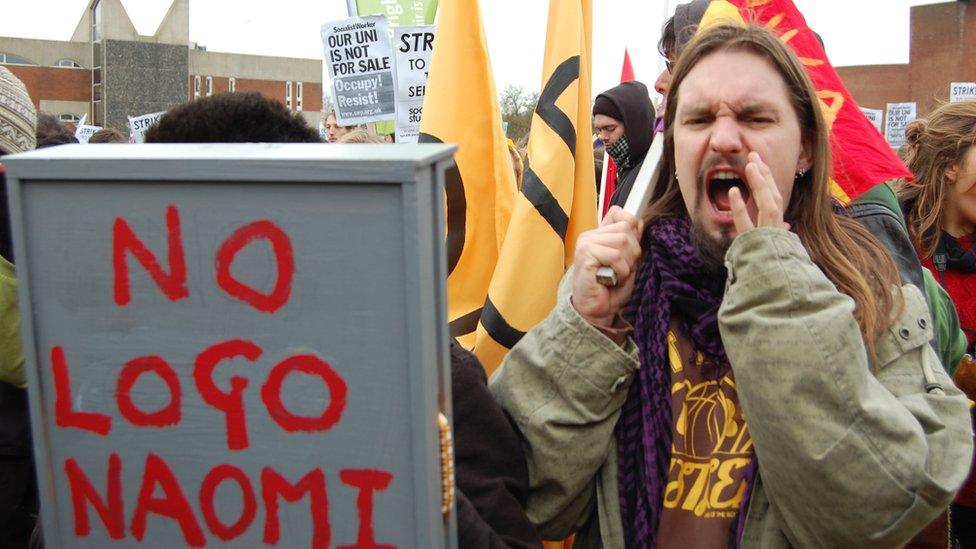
(298, 96)
(209, 86)
(196, 87)
(288, 94)
(68, 117)
(232, 85)
(96, 19)
(98, 108)
(11, 59)
(68, 64)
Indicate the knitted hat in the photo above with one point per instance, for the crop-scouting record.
(603, 105)
(686, 20)
(18, 119)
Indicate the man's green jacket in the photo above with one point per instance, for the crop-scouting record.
(850, 453)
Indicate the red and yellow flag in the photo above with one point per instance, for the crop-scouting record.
(861, 156)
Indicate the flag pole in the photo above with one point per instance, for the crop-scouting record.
(353, 9)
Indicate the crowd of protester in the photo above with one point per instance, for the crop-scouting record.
(805, 365)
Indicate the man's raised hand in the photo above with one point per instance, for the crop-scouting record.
(615, 243)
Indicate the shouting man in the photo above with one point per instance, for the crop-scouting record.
(758, 376)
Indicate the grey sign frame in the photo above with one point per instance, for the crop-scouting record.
(418, 170)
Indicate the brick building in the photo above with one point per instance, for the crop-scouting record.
(943, 39)
(109, 72)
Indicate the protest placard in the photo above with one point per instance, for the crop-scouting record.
(876, 116)
(360, 64)
(237, 345)
(83, 132)
(139, 124)
(399, 12)
(898, 117)
(962, 91)
(413, 47)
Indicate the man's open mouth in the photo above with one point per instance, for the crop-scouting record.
(719, 182)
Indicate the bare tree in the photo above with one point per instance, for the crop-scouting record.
(517, 106)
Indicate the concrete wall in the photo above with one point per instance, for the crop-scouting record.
(47, 52)
(141, 78)
(257, 67)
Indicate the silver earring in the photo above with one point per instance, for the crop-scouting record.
(800, 173)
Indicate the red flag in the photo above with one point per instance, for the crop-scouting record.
(610, 181)
(861, 156)
(627, 73)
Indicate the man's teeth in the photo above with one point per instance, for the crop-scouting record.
(725, 175)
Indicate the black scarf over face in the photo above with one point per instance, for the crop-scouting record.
(620, 153)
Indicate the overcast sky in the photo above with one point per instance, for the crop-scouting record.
(856, 32)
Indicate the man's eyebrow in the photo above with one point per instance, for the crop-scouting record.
(754, 108)
(696, 111)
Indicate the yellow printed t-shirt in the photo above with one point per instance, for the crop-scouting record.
(710, 452)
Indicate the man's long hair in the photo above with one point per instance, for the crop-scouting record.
(844, 250)
(935, 145)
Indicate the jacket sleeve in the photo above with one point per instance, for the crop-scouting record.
(848, 456)
(11, 354)
(564, 384)
(952, 340)
(492, 479)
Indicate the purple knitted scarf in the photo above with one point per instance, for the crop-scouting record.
(671, 279)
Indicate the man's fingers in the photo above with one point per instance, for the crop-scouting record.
(766, 195)
(616, 214)
(624, 241)
(618, 260)
(740, 216)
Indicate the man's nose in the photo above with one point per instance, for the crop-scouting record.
(725, 137)
(663, 82)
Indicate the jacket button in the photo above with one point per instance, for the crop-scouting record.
(922, 323)
(904, 333)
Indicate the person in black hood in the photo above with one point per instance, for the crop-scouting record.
(624, 120)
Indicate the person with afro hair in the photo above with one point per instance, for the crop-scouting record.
(232, 118)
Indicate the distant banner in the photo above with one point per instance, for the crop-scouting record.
(899, 116)
(360, 64)
(400, 12)
(962, 91)
(412, 48)
(139, 124)
(876, 116)
(84, 131)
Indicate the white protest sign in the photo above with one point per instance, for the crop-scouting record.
(962, 91)
(899, 116)
(876, 116)
(357, 53)
(84, 131)
(413, 47)
(139, 124)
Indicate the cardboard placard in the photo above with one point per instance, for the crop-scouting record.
(236, 345)
(413, 47)
(360, 64)
(897, 119)
(138, 125)
(962, 91)
(876, 116)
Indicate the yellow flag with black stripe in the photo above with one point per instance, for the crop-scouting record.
(461, 107)
(557, 201)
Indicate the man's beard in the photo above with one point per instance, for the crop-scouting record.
(711, 250)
